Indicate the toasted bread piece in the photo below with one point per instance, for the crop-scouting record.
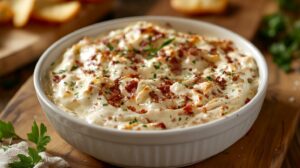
(58, 12)
(199, 6)
(6, 13)
(21, 10)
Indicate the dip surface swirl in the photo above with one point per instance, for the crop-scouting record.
(150, 77)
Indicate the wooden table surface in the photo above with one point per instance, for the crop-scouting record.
(10, 83)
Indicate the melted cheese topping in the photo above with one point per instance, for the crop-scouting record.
(147, 77)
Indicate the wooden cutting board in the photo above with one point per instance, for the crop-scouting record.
(264, 145)
(19, 46)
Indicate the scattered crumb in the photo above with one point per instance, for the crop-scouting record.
(291, 99)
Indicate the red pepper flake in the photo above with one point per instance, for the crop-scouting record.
(247, 100)
(154, 96)
(131, 108)
(131, 86)
(57, 78)
(175, 65)
(148, 120)
(235, 78)
(221, 82)
(78, 63)
(143, 111)
(188, 109)
(134, 68)
(161, 125)
(229, 60)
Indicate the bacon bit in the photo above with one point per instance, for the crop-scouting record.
(213, 50)
(132, 86)
(161, 125)
(188, 109)
(247, 100)
(134, 68)
(78, 63)
(114, 97)
(181, 53)
(57, 78)
(134, 76)
(143, 111)
(235, 78)
(206, 95)
(175, 65)
(221, 82)
(90, 88)
(131, 108)
(154, 96)
(93, 57)
(229, 60)
(148, 120)
(165, 89)
(194, 51)
(226, 97)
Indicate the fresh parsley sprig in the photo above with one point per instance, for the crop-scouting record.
(29, 161)
(7, 130)
(38, 136)
(282, 31)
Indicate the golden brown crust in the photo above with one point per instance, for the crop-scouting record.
(56, 12)
(199, 6)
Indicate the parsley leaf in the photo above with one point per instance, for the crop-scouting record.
(165, 43)
(27, 161)
(38, 136)
(153, 51)
(7, 130)
(273, 24)
(282, 30)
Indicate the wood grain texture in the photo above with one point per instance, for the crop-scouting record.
(21, 46)
(241, 16)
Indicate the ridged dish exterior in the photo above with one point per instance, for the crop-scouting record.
(156, 155)
(157, 149)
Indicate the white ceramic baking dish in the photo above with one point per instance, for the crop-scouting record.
(167, 148)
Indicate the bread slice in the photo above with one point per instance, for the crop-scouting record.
(58, 12)
(21, 11)
(199, 6)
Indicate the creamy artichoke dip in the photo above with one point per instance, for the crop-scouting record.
(150, 77)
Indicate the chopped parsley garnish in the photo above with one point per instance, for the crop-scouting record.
(157, 66)
(144, 125)
(194, 61)
(110, 47)
(154, 75)
(61, 71)
(105, 104)
(7, 130)
(38, 136)
(74, 67)
(133, 121)
(153, 51)
(209, 78)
